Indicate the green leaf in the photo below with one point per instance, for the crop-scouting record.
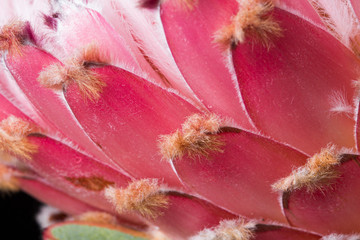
(88, 232)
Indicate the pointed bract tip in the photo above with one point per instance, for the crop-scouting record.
(8, 182)
(317, 172)
(13, 137)
(141, 196)
(196, 138)
(254, 21)
(96, 217)
(76, 70)
(12, 36)
(228, 229)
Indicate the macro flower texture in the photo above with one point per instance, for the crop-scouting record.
(184, 119)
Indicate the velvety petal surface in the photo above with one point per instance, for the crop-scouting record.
(8, 109)
(188, 215)
(340, 20)
(127, 120)
(54, 197)
(356, 6)
(301, 8)
(291, 89)
(9, 90)
(81, 26)
(333, 208)
(74, 173)
(25, 69)
(203, 63)
(357, 126)
(240, 178)
(143, 30)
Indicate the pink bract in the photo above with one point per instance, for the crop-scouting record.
(201, 119)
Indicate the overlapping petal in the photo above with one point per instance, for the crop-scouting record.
(128, 119)
(290, 97)
(240, 178)
(25, 69)
(292, 91)
(187, 215)
(205, 66)
(330, 208)
(54, 197)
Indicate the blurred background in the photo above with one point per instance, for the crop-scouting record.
(17, 216)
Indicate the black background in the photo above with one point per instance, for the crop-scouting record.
(17, 217)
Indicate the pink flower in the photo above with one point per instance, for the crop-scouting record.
(214, 119)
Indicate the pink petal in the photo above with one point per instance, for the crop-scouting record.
(54, 197)
(121, 48)
(289, 89)
(127, 120)
(333, 208)
(357, 126)
(271, 232)
(12, 92)
(303, 9)
(187, 215)
(340, 19)
(80, 27)
(240, 178)
(142, 28)
(202, 62)
(21, 9)
(7, 109)
(63, 168)
(77, 175)
(25, 69)
(356, 6)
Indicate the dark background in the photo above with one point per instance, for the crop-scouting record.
(17, 217)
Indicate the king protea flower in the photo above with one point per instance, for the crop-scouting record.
(201, 119)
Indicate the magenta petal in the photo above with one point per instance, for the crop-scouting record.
(290, 89)
(272, 232)
(77, 175)
(356, 6)
(143, 31)
(127, 120)
(301, 8)
(74, 173)
(357, 127)
(333, 208)
(54, 197)
(187, 215)
(26, 69)
(10, 90)
(7, 109)
(200, 60)
(240, 178)
(84, 26)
